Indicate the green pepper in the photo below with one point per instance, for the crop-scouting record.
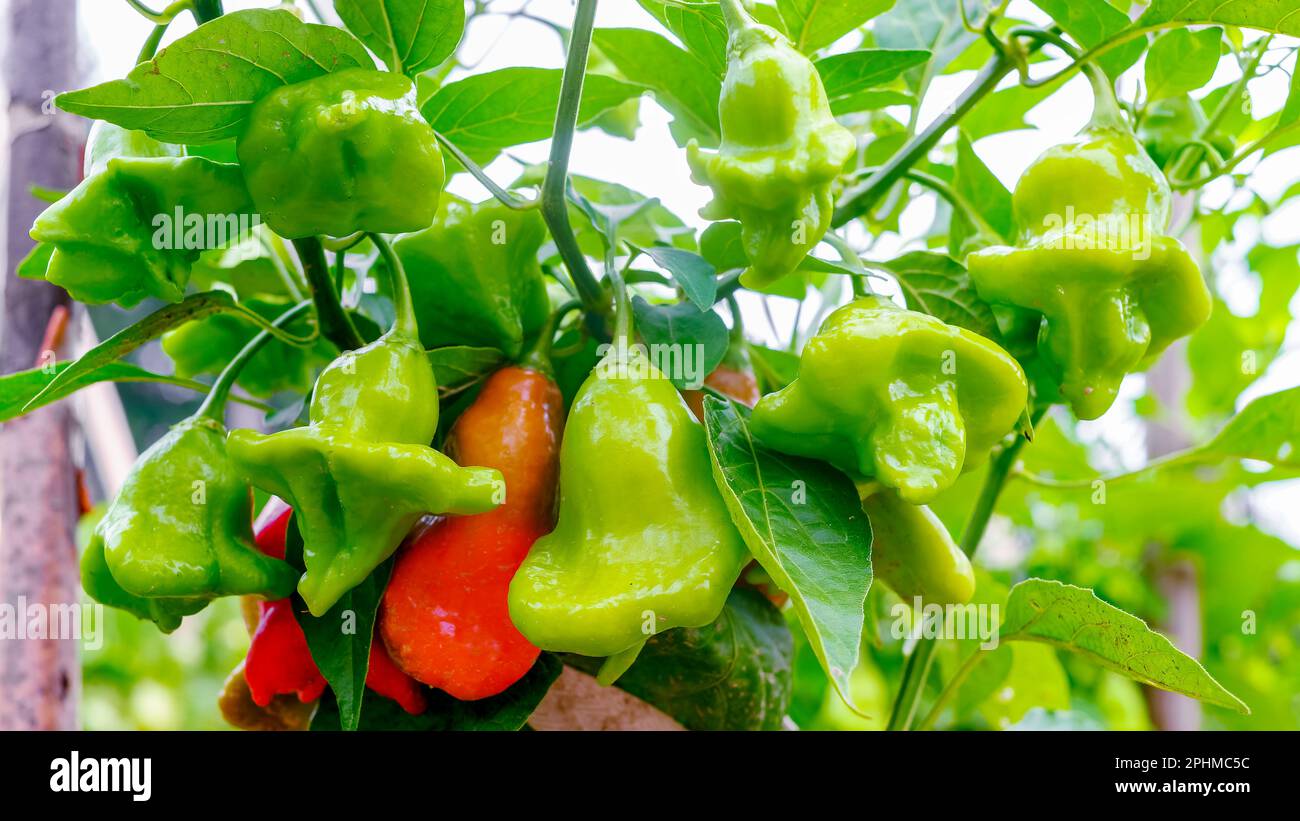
(362, 472)
(912, 552)
(1168, 125)
(475, 278)
(644, 542)
(204, 346)
(781, 150)
(136, 225)
(897, 396)
(1113, 292)
(341, 153)
(180, 531)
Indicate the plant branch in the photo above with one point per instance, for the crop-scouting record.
(476, 171)
(332, 319)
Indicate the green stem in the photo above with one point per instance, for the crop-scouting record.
(476, 171)
(950, 690)
(735, 16)
(622, 304)
(334, 321)
(404, 321)
(161, 20)
(861, 198)
(207, 10)
(957, 201)
(918, 665)
(538, 356)
(555, 209)
(214, 404)
(1188, 160)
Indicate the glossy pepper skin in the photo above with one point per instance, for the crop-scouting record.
(1113, 291)
(781, 150)
(897, 396)
(644, 542)
(912, 552)
(279, 661)
(343, 152)
(362, 472)
(107, 247)
(734, 377)
(444, 615)
(475, 278)
(178, 534)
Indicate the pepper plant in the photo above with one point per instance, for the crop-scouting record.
(542, 430)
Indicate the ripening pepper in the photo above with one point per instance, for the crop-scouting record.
(134, 227)
(1113, 291)
(475, 278)
(912, 552)
(362, 472)
(895, 395)
(781, 150)
(179, 532)
(733, 377)
(279, 661)
(343, 152)
(644, 542)
(444, 616)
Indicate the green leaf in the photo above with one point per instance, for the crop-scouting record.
(507, 711)
(682, 83)
(1005, 110)
(410, 36)
(932, 25)
(774, 369)
(339, 640)
(682, 326)
(846, 76)
(815, 24)
(938, 285)
(1093, 22)
(699, 25)
(459, 367)
(201, 88)
(1073, 618)
(977, 185)
(19, 391)
(733, 674)
(1034, 679)
(194, 306)
(34, 265)
(803, 521)
(1181, 61)
(485, 113)
(871, 101)
(721, 244)
(1266, 15)
(1268, 429)
(697, 278)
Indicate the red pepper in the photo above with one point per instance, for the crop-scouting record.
(738, 383)
(278, 658)
(444, 615)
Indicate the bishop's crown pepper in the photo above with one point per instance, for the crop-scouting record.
(279, 661)
(444, 615)
(781, 149)
(362, 472)
(179, 533)
(347, 151)
(1093, 262)
(643, 542)
(895, 395)
(108, 245)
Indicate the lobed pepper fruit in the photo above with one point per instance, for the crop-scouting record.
(1111, 290)
(644, 541)
(107, 243)
(444, 616)
(279, 661)
(897, 396)
(781, 150)
(347, 151)
(912, 552)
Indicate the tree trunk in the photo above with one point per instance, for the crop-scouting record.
(40, 678)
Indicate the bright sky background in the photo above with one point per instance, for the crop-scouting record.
(656, 167)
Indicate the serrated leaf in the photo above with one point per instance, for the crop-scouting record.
(484, 113)
(697, 278)
(938, 285)
(1073, 618)
(410, 36)
(1181, 61)
(201, 88)
(803, 521)
(681, 327)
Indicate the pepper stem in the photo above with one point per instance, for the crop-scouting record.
(214, 404)
(404, 322)
(538, 356)
(736, 16)
(1106, 111)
